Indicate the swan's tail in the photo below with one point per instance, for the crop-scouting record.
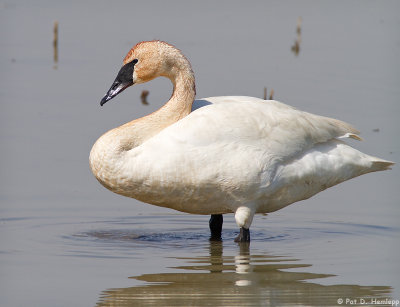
(322, 166)
(380, 164)
(375, 164)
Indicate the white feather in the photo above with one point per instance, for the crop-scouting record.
(222, 154)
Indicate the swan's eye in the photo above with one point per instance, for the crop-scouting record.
(135, 61)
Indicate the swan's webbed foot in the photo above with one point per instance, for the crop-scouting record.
(244, 235)
(215, 223)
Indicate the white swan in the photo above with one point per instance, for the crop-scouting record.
(223, 154)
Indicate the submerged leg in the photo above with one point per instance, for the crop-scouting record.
(244, 216)
(215, 223)
(244, 235)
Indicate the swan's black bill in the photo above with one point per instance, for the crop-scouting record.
(123, 80)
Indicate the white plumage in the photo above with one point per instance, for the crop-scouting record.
(230, 154)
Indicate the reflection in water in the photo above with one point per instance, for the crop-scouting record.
(241, 280)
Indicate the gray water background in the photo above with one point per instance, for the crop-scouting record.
(67, 241)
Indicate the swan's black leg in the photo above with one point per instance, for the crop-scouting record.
(215, 223)
(244, 235)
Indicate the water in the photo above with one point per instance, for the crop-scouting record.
(67, 241)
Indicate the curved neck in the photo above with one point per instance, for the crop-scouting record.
(110, 148)
(109, 153)
(179, 105)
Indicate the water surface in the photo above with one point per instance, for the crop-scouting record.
(67, 241)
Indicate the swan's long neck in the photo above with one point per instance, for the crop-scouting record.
(107, 154)
(136, 132)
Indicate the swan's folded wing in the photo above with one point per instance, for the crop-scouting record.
(235, 148)
(270, 126)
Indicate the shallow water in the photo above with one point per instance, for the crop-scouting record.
(67, 241)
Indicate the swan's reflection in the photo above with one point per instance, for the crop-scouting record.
(241, 280)
(243, 265)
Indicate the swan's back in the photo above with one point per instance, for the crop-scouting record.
(277, 129)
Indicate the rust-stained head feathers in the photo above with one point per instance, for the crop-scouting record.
(148, 60)
(130, 55)
(157, 58)
(146, 46)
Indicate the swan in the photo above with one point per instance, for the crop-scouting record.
(218, 155)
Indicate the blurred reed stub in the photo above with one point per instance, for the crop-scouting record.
(271, 94)
(55, 44)
(143, 97)
(296, 46)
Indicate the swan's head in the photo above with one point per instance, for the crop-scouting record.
(144, 62)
